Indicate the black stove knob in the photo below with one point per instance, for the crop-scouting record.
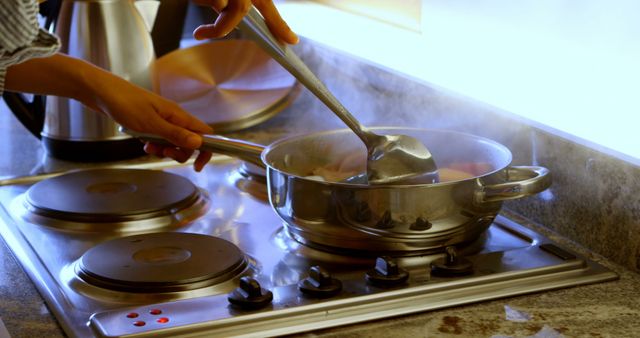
(387, 273)
(320, 284)
(451, 265)
(250, 295)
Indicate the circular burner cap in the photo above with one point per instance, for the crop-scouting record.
(161, 262)
(111, 195)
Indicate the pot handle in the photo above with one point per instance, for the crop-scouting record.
(246, 151)
(521, 181)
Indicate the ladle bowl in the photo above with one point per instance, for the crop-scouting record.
(390, 158)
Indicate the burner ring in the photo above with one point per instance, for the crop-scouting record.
(102, 198)
(161, 262)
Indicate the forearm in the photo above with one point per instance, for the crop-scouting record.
(58, 75)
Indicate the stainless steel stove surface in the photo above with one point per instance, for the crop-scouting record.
(137, 253)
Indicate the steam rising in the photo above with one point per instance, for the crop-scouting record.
(378, 97)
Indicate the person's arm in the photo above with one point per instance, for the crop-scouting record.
(131, 106)
(230, 12)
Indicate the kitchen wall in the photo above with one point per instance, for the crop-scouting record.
(594, 199)
(568, 64)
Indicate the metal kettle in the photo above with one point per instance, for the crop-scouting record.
(114, 35)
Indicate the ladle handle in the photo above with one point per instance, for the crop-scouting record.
(253, 25)
(246, 151)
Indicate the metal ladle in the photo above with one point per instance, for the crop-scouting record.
(390, 158)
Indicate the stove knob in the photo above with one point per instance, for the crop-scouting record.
(320, 284)
(451, 265)
(250, 295)
(387, 273)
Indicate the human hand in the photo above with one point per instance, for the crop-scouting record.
(140, 110)
(131, 106)
(230, 12)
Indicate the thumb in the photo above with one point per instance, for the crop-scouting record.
(179, 136)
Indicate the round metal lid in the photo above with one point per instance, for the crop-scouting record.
(228, 84)
(106, 195)
(160, 262)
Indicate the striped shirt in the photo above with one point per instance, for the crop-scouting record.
(21, 37)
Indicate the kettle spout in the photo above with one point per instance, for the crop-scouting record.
(148, 10)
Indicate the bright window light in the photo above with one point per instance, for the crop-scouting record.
(572, 66)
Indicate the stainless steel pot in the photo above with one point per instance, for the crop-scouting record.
(387, 218)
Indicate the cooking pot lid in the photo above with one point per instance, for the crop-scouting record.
(158, 262)
(108, 195)
(228, 84)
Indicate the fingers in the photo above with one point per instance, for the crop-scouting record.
(174, 114)
(178, 154)
(203, 158)
(178, 127)
(232, 11)
(218, 5)
(228, 18)
(179, 136)
(181, 129)
(153, 149)
(275, 22)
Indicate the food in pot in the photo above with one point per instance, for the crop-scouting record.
(350, 166)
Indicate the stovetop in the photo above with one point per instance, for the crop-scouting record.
(293, 287)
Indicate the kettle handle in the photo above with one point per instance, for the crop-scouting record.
(31, 112)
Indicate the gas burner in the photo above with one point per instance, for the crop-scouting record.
(252, 180)
(161, 262)
(114, 199)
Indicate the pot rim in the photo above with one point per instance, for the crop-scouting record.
(294, 138)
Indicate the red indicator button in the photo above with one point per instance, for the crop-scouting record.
(163, 320)
(155, 312)
(139, 323)
(132, 315)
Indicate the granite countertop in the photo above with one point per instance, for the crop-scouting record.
(610, 309)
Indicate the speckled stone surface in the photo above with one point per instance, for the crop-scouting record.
(566, 313)
(22, 310)
(594, 201)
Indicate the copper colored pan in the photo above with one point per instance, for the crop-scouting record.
(229, 84)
